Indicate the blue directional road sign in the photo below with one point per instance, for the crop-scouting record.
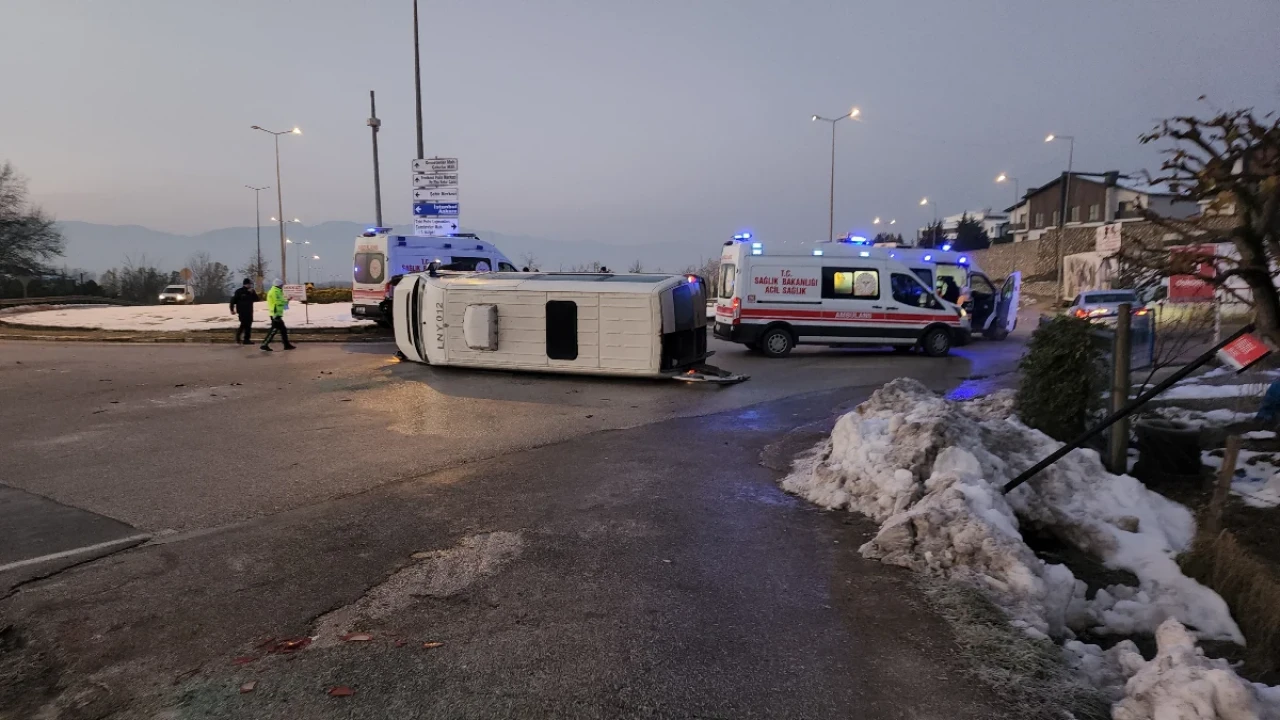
(426, 209)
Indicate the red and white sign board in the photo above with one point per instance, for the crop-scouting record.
(295, 292)
(1243, 352)
(1194, 287)
(780, 284)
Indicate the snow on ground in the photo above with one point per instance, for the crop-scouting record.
(1197, 391)
(1181, 683)
(1257, 476)
(184, 317)
(930, 470)
(1201, 418)
(1259, 435)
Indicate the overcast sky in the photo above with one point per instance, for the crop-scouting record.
(601, 119)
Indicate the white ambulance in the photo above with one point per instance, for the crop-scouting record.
(382, 258)
(835, 294)
(992, 311)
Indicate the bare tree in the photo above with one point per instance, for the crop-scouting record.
(708, 270)
(636, 267)
(255, 268)
(1230, 165)
(28, 237)
(529, 260)
(211, 281)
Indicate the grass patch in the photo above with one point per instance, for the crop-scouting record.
(1250, 588)
(1030, 674)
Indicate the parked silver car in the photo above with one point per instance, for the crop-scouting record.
(1102, 306)
(178, 294)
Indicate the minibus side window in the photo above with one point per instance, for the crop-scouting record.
(562, 330)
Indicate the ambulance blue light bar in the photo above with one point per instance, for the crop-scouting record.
(927, 258)
(963, 259)
(864, 253)
(817, 252)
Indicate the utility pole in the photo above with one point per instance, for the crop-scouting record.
(417, 76)
(1121, 354)
(257, 221)
(374, 123)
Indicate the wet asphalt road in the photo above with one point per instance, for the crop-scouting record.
(582, 548)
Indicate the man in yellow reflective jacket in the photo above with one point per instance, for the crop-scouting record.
(276, 305)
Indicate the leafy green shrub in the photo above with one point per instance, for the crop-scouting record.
(321, 296)
(1062, 375)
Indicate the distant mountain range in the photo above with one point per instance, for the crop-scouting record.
(94, 248)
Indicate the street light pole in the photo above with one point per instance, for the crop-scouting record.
(933, 231)
(257, 219)
(374, 123)
(279, 192)
(1066, 199)
(831, 199)
(1003, 177)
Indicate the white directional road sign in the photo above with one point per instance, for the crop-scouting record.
(436, 195)
(435, 226)
(435, 165)
(435, 181)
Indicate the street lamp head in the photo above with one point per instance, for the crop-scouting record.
(315, 257)
(876, 221)
(1001, 177)
(813, 119)
(288, 241)
(892, 222)
(855, 113)
(924, 201)
(1050, 137)
(254, 127)
(297, 131)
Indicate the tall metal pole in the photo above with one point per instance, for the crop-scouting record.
(257, 221)
(374, 124)
(417, 76)
(280, 209)
(1062, 220)
(1118, 448)
(831, 201)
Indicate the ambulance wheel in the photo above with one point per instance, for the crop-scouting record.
(776, 342)
(936, 342)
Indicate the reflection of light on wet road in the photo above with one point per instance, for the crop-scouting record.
(977, 387)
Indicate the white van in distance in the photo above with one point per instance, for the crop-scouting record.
(381, 257)
(837, 294)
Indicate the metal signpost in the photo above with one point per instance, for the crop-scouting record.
(435, 196)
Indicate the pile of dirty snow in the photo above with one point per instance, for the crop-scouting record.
(931, 470)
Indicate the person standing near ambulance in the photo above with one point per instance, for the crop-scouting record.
(276, 305)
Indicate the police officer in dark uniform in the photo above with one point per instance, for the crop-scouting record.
(242, 305)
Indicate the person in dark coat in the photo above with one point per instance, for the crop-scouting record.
(950, 290)
(242, 305)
